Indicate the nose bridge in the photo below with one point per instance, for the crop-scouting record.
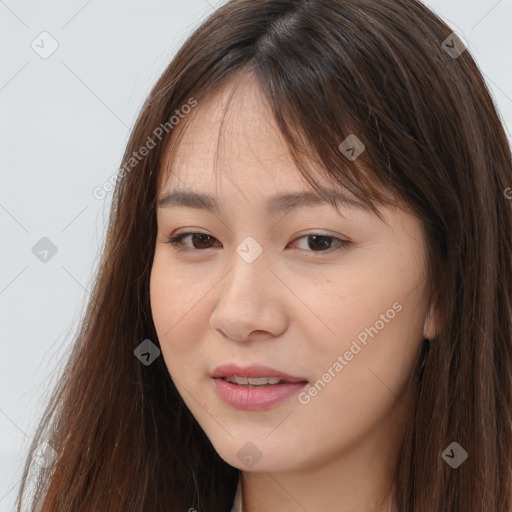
(248, 271)
(244, 303)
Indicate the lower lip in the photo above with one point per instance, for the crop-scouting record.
(251, 399)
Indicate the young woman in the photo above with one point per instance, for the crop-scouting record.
(304, 301)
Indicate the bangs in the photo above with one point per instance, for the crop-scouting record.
(314, 145)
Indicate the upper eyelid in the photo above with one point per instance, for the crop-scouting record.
(185, 234)
(308, 233)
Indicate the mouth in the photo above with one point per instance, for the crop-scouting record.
(255, 387)
(257, 382)
(254, 375)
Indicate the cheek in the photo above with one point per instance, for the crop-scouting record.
(359, 379)
(174, 296)
(375, 320)
(175, 307)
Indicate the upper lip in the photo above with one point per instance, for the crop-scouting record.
(254, 370)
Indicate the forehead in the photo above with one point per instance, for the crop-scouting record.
(230, 134)
(231, 140)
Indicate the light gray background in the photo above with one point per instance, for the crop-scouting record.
(64, 123)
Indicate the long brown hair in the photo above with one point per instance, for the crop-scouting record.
(381, 70)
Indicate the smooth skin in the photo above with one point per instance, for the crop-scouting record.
(296, 308)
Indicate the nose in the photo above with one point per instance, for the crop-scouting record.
(251, 302)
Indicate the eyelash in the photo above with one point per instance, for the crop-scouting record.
(176, 242)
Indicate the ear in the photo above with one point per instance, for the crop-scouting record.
(431, 327)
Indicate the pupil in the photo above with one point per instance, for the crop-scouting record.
(202, 237)
(325, 238)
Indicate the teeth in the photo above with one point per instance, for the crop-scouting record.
(253, 381)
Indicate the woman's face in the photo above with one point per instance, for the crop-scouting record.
(252, 288)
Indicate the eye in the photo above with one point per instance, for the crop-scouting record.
(201, 238)
(318, 242)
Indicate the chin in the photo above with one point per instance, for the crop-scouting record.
(259, 455)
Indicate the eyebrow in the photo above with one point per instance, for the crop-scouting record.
(277, 204)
